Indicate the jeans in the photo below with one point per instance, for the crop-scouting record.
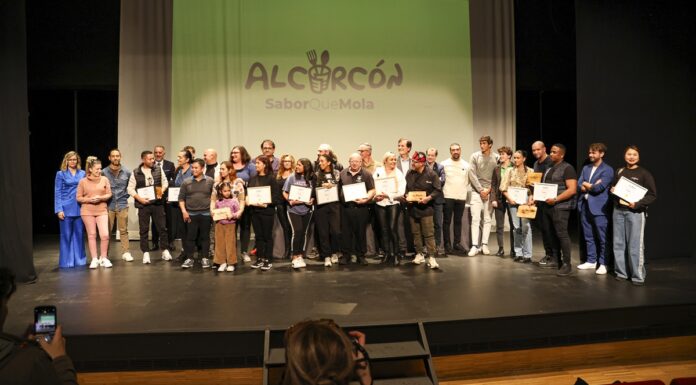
(594, 229)
(72, 244)
(423, 229)
(478, 208)
(629, 231)
(121, 217)
(388, 219)
(437, 222)
(453, 207)
(522, 230)
(556, 225)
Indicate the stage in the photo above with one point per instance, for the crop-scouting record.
(131, 316)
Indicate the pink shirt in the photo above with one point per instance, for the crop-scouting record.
(88, 188)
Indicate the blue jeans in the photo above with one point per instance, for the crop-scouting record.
(629, 229)
(522, 230)
(72, 243)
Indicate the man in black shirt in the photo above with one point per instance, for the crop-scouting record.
(356, 213)
(557, 209)
(543, 162)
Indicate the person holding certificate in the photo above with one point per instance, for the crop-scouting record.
(594, 207)
(499, 202)
(226, 174)
(357, 191)
(423, 183)
(72, 247)
(244, 169)
(514, 189)
(557, 209)
(629, 218)
(285, 169)
(147, 185)
(541, 164)
(327, 214)
(178, 226)
(92, 193)
(118, 176)
(194, 202)
(262, 194)
(225, 214)
(298, 191)
(390, 184)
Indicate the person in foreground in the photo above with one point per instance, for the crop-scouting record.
(23, 361)
(320, 352)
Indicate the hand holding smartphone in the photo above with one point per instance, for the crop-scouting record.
(45, 322)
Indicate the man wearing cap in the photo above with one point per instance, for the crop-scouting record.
(422, 179)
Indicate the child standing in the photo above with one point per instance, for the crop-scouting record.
(225, 234)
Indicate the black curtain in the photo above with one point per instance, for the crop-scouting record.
(636, 84)
(15, 184)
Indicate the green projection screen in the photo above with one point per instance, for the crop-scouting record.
(306, 72)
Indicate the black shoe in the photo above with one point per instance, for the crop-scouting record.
(257, 264)
(459, 249)
(548, 262)
(517, 259)
(362, 261)
(527, 260)
(638, 283)
(215, 266)
(344, 260)
(565, 270)
(266, 265)
(501, 252)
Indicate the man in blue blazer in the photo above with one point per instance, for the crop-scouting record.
(594, 207)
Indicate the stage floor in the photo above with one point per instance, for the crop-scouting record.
(162, 297)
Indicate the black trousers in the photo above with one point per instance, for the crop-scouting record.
(452, 207)
(262, 221)
(541, 225)
(388, 219)
(299, 227)
(354, 229)
(407, 244)
(556, 225)
(198, 233)
(500, 226)
(282, 213)
(327, 222)
(244, 226)
(156, 213)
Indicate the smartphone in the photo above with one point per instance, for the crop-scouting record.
(45, 322)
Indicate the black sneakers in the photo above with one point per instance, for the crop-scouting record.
(266, 265)
(548, 262)
(565, 270)
(257, 264)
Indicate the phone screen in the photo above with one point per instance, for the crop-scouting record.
(45, 320)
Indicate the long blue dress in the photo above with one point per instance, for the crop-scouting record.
(72, 246)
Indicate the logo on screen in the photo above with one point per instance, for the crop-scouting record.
(321, 77)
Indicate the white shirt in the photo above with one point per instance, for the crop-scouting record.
(456, 179)
(380, 172)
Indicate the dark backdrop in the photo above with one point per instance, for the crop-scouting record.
(636, 84)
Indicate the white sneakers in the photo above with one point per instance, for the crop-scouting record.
(433, 263)
(602, 270)
(327, 262)
(474, 250)
(146, 258)
(127, 257)
(418, 259)
(484, 249)
(587, 266)
(222, 268)
(166, 256)
(101, 261)
(94, 264)
(299, 263)
(246, 257)
(230, 268)
(334, 258)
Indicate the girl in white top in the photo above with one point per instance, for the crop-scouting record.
(387, 206)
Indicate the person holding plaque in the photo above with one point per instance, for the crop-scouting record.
(541, 165)
(262, 194)
(357, 191)
(226, 175)
(72, 247)
(629, 219)
(225, 214)
(390, 184)
(327, 215)
(244, 169)
(557, 209)
(514, 188)
(298, 191)
(92, 193)
(118, 177)
(147, 185)
(285, 169)
(594, 207)
(178, 226)
(499, 202)
(194, 202)
(422, 188)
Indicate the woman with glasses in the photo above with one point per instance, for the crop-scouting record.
(285, 169)
(244, 169)
(72, 248)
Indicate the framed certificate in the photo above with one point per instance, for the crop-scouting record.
(173, 194)
(518, 194)
(415, 196)
(533, 177)
(299, 193)
(386, 185)
(544, 191)
(259, 195)
(524, 211)
(354, 191)
(327, 195)
(629, 190)
(147, 193)
(221, 213)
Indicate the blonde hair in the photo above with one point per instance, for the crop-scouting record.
(90, 162)
(387, 155)
(280, 166)
(68, 155)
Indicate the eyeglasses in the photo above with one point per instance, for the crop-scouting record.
(267, 148)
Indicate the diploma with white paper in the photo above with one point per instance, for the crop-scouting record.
(386, 185)
(629, 190)
(544, 191)
(259, 195)
(173, 194)
(299, 193)
(327, 195)
(354, 191)
(518, 194)
(221, 213)
(147, 193)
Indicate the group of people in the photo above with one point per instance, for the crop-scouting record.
(414, 205)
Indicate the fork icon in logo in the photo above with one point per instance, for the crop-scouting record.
(318, 73)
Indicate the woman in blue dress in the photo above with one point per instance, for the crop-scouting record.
(72, 246)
